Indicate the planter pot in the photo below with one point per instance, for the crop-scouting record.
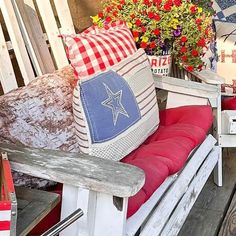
(161, 65)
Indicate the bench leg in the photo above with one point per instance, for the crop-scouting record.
(218, 171)
(103, 214)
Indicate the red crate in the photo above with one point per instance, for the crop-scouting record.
(8, 205)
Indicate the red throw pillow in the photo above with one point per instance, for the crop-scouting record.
(95, 49)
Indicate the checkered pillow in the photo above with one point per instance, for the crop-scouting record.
(94, 50)
(116, 110)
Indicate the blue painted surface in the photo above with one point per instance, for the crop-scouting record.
(110, 106)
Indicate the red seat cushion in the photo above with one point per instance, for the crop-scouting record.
(229, 103)
(166, 151)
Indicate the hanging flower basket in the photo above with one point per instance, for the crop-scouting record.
(180, 27)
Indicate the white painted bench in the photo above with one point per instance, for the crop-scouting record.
(100, 187)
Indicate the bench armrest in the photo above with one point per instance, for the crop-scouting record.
(186, 87)
(80, 170)
(209, 77)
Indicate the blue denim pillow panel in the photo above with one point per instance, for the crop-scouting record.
(110, 106)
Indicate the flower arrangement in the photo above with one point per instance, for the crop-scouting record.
(180, 27)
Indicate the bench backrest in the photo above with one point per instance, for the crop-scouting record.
(37, 24)
(31, 42)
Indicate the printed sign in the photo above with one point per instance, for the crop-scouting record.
(160, 65)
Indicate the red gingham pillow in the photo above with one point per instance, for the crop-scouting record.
(95, 49)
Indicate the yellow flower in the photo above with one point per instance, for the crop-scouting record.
(130, 25)
(145, 39)
(174, 23)
(95, 19)
(136, 39)
(199, 10)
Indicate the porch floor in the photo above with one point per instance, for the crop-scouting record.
(214, 213)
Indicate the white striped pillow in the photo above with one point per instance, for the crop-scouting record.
(115, 111)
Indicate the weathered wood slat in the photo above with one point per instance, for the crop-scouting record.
(79, 170)
(182, 210)
(33, 206)
(17, 40)
(187, 87)
(209, 77)
(52, 31)
(162, 213)
(207, 214)
(63, 11)
(229, 225)
(135, 221)
(7, 76)
(201, 223)
(34, 37)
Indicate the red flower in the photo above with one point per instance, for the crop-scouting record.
(167, 7)
(170, 2)
(108, 9)
(147, 3)
(157, 32)
(144, 29)
(108, 19)
(135, 34)
(152, 44)
(157, 2)
(157, 17)
(201, 43)
(189, 68)
(115, 13)
(143, 45)
(198, 21)
(177, 2)
(100, 14)
(151, 14)
(183, 39)
(138, 22)
(193, 9)
(194, 53)
(184, 58)
(135, 1)
(119, 7)
(183, 49)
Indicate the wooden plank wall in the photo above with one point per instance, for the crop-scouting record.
(81, 11)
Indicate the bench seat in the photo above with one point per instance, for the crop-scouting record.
(162, 154)
(166, 151)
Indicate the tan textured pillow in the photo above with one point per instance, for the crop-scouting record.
(226, 45)
(40, 115)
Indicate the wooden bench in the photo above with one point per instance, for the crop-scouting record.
(101, 187)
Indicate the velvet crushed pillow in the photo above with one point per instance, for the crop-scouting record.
(116, 110)
(40, 115)
(96, 49)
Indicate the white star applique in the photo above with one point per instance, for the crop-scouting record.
(114, 103)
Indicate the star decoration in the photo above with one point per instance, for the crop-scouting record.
(114, 103)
